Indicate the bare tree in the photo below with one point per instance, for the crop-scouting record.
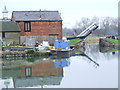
(107, 26)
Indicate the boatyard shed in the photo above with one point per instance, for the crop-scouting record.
(10, 32)
(38, 26)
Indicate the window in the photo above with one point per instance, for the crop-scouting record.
(3, 34)
(28, 71)
(27, 26)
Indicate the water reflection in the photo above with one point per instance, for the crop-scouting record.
(81, 52)
(89, 59)
(40, 72)
(112, 50)
(53, 71)
(61, 63)
(31, 72)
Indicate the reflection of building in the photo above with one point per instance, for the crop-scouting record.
(60, 63)
(36, 74)
(40, 69)
(38, 81)
(6, 83)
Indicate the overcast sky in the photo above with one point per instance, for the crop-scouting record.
(71, 10)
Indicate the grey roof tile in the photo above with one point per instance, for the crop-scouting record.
(36, 16)
(10, 26)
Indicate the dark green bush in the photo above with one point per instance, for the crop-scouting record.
(30, 51)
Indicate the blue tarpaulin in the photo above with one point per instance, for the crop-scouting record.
(61, 44)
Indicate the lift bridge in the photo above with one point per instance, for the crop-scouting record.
(86, 32)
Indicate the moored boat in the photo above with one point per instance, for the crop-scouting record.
(63, 52)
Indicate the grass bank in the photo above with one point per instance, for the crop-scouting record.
(87, 40)
(75, 41)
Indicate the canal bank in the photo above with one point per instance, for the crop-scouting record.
(106, 42)
(28, 53)
(17, 51)
(64, 48)
(92, 40)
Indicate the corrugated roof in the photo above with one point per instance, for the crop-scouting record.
(10, 26)
(36, 16)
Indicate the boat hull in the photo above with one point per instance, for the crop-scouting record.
(63, 53)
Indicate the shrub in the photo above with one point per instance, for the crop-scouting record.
(30, 51)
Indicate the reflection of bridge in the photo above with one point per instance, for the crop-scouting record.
(90, 59)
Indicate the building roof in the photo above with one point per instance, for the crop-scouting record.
(36, 16)
(9, 26)
(38, 81)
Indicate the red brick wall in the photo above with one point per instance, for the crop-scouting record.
(43, 28)
(42, 69)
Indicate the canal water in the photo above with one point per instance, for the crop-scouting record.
(92, 67)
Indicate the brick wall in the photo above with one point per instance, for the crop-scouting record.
(43, 28)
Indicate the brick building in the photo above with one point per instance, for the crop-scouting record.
(38, 25)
